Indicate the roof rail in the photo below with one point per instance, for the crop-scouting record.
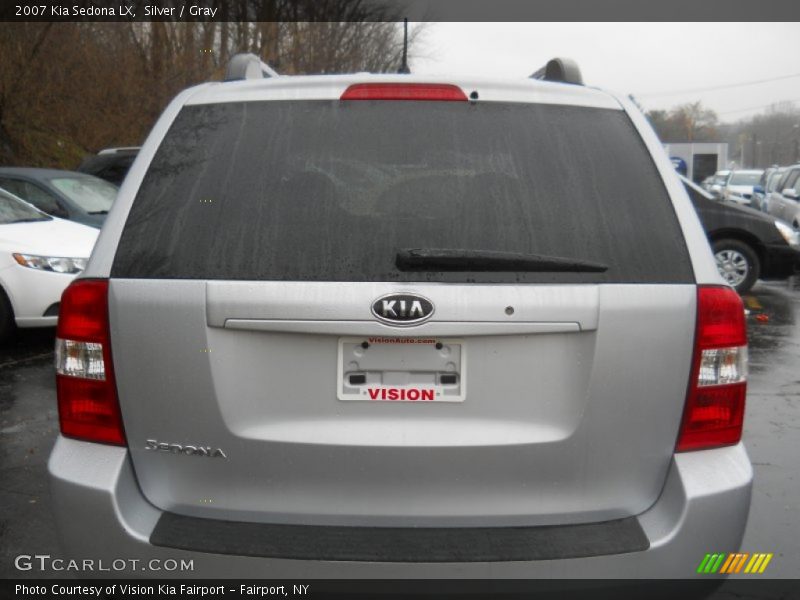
(563, 70)
(248, 66)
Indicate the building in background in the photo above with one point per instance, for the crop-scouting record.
(698, 160)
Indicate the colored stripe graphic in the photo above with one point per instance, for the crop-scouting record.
(718, 563)
(711, 563)
(728, 563)
(703, 563)
(754, 563)
(734, 563)
(740, 564)
(765, 563)
(730, 566)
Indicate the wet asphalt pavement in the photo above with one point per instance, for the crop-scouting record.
(28, 426)
(29, 423)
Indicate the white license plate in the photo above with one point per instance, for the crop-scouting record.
(401, 369)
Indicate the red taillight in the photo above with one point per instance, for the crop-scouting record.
(405, 91)
(714, 412)
(88, 407)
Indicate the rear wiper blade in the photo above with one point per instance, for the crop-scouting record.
(98, 212)
(438, 259)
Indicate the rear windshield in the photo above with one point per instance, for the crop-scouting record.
(333, 190)
(745, 178)
(90, 193)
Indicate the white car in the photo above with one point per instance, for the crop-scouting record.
(39, 257)
(716, 182)
(739, 186)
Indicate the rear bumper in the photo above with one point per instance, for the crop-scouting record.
(781, 261)
(703, 508)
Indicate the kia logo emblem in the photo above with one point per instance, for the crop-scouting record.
(402, 309)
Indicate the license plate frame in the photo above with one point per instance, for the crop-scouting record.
(401, 369)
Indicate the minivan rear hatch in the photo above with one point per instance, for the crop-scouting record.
(539, 379)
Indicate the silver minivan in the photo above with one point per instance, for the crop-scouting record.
(402, 326)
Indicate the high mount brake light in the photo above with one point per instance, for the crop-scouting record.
(88, 407)
(714, 411)
(405, 91)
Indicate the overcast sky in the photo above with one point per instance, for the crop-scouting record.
(648, 60)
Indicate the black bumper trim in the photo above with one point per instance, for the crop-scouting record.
(52, 310)
(399, 544)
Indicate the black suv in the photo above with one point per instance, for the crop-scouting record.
(747, 244)
(111, 164)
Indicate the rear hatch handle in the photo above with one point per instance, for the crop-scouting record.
(333, 308)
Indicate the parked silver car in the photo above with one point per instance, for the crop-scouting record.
(67, 195)
(766, 185)
(784, 199)
(399, 326)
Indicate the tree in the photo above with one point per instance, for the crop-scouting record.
(18, 51)
(690, 122)
(769, 138)
(69, 89)
(698, 123)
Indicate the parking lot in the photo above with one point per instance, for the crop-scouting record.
(28, 426)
